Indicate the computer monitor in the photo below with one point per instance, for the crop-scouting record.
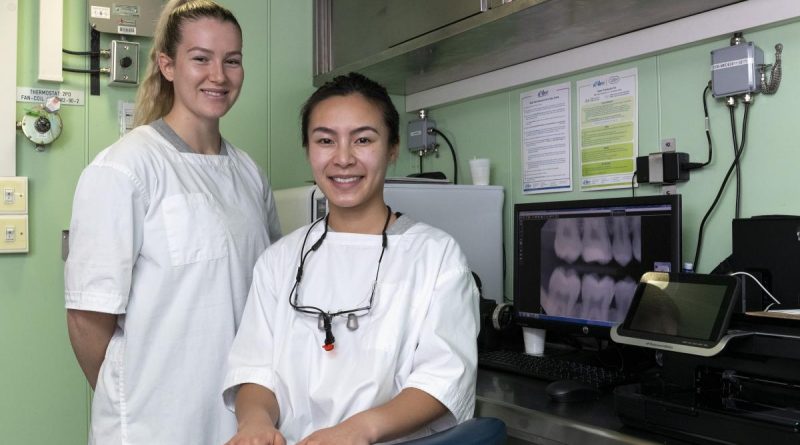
(577, 263)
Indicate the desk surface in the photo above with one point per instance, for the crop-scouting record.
(529, 414)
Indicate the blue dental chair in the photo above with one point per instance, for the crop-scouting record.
(477, 431)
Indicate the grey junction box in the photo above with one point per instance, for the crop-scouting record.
(734, 70)
(125, 17)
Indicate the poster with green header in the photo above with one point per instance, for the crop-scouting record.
(608, 130)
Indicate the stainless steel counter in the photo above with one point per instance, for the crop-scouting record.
(532, 418)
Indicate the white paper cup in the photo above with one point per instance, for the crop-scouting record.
(480, 171)
(534, 340)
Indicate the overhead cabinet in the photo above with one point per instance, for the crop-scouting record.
(415, 45)
(362, 28)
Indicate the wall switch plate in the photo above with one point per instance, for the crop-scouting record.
(14, 198)
(124, 63)
(13, 233)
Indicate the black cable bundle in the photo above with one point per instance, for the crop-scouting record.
(738, 150)
(452, 150)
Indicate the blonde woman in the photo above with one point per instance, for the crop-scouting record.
(167, 224)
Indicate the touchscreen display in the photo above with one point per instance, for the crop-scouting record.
(689, 310)
(687, 313)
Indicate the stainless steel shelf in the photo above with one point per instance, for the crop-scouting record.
(505, 35)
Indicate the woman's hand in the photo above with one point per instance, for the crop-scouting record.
(343, 434)
(256, 409)
(259, 434)
(404, 414)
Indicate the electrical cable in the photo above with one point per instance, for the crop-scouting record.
(697, 165)
(633, 189)
(452, 150)
(77, 70)
(759, 285)
(105, 53)
(736, 158)
(707, 121)
(698, 249)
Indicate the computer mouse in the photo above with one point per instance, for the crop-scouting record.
(565, 391)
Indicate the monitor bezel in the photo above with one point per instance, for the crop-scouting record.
(591, 329)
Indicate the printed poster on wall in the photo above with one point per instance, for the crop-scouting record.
(546, 140)
(608, 130)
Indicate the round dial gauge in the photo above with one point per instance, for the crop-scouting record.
(41, 127)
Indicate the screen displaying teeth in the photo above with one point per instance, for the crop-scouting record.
(597, 239)
(568, 245)
(566, 288)
(623, 294)
(622, 247)
(582, 262)
(597, 293)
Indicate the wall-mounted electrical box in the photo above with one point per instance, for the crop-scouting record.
(419, 136)
(125, 17)
(734, 70)
(124, 63)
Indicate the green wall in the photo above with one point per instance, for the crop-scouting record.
(44, 396)
(670, 106)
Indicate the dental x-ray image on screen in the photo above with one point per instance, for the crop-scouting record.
(577, 263)
(590, 266)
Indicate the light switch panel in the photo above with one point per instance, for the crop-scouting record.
(13, 233)
(14, 198)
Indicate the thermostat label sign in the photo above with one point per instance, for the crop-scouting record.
(40, 95)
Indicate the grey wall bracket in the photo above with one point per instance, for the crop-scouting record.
(668, 145)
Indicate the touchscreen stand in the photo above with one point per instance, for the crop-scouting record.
(686, 313)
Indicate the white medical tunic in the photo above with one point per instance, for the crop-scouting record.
(421, 331)
(167, 239)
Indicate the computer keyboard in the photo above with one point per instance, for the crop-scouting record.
(553, 368)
